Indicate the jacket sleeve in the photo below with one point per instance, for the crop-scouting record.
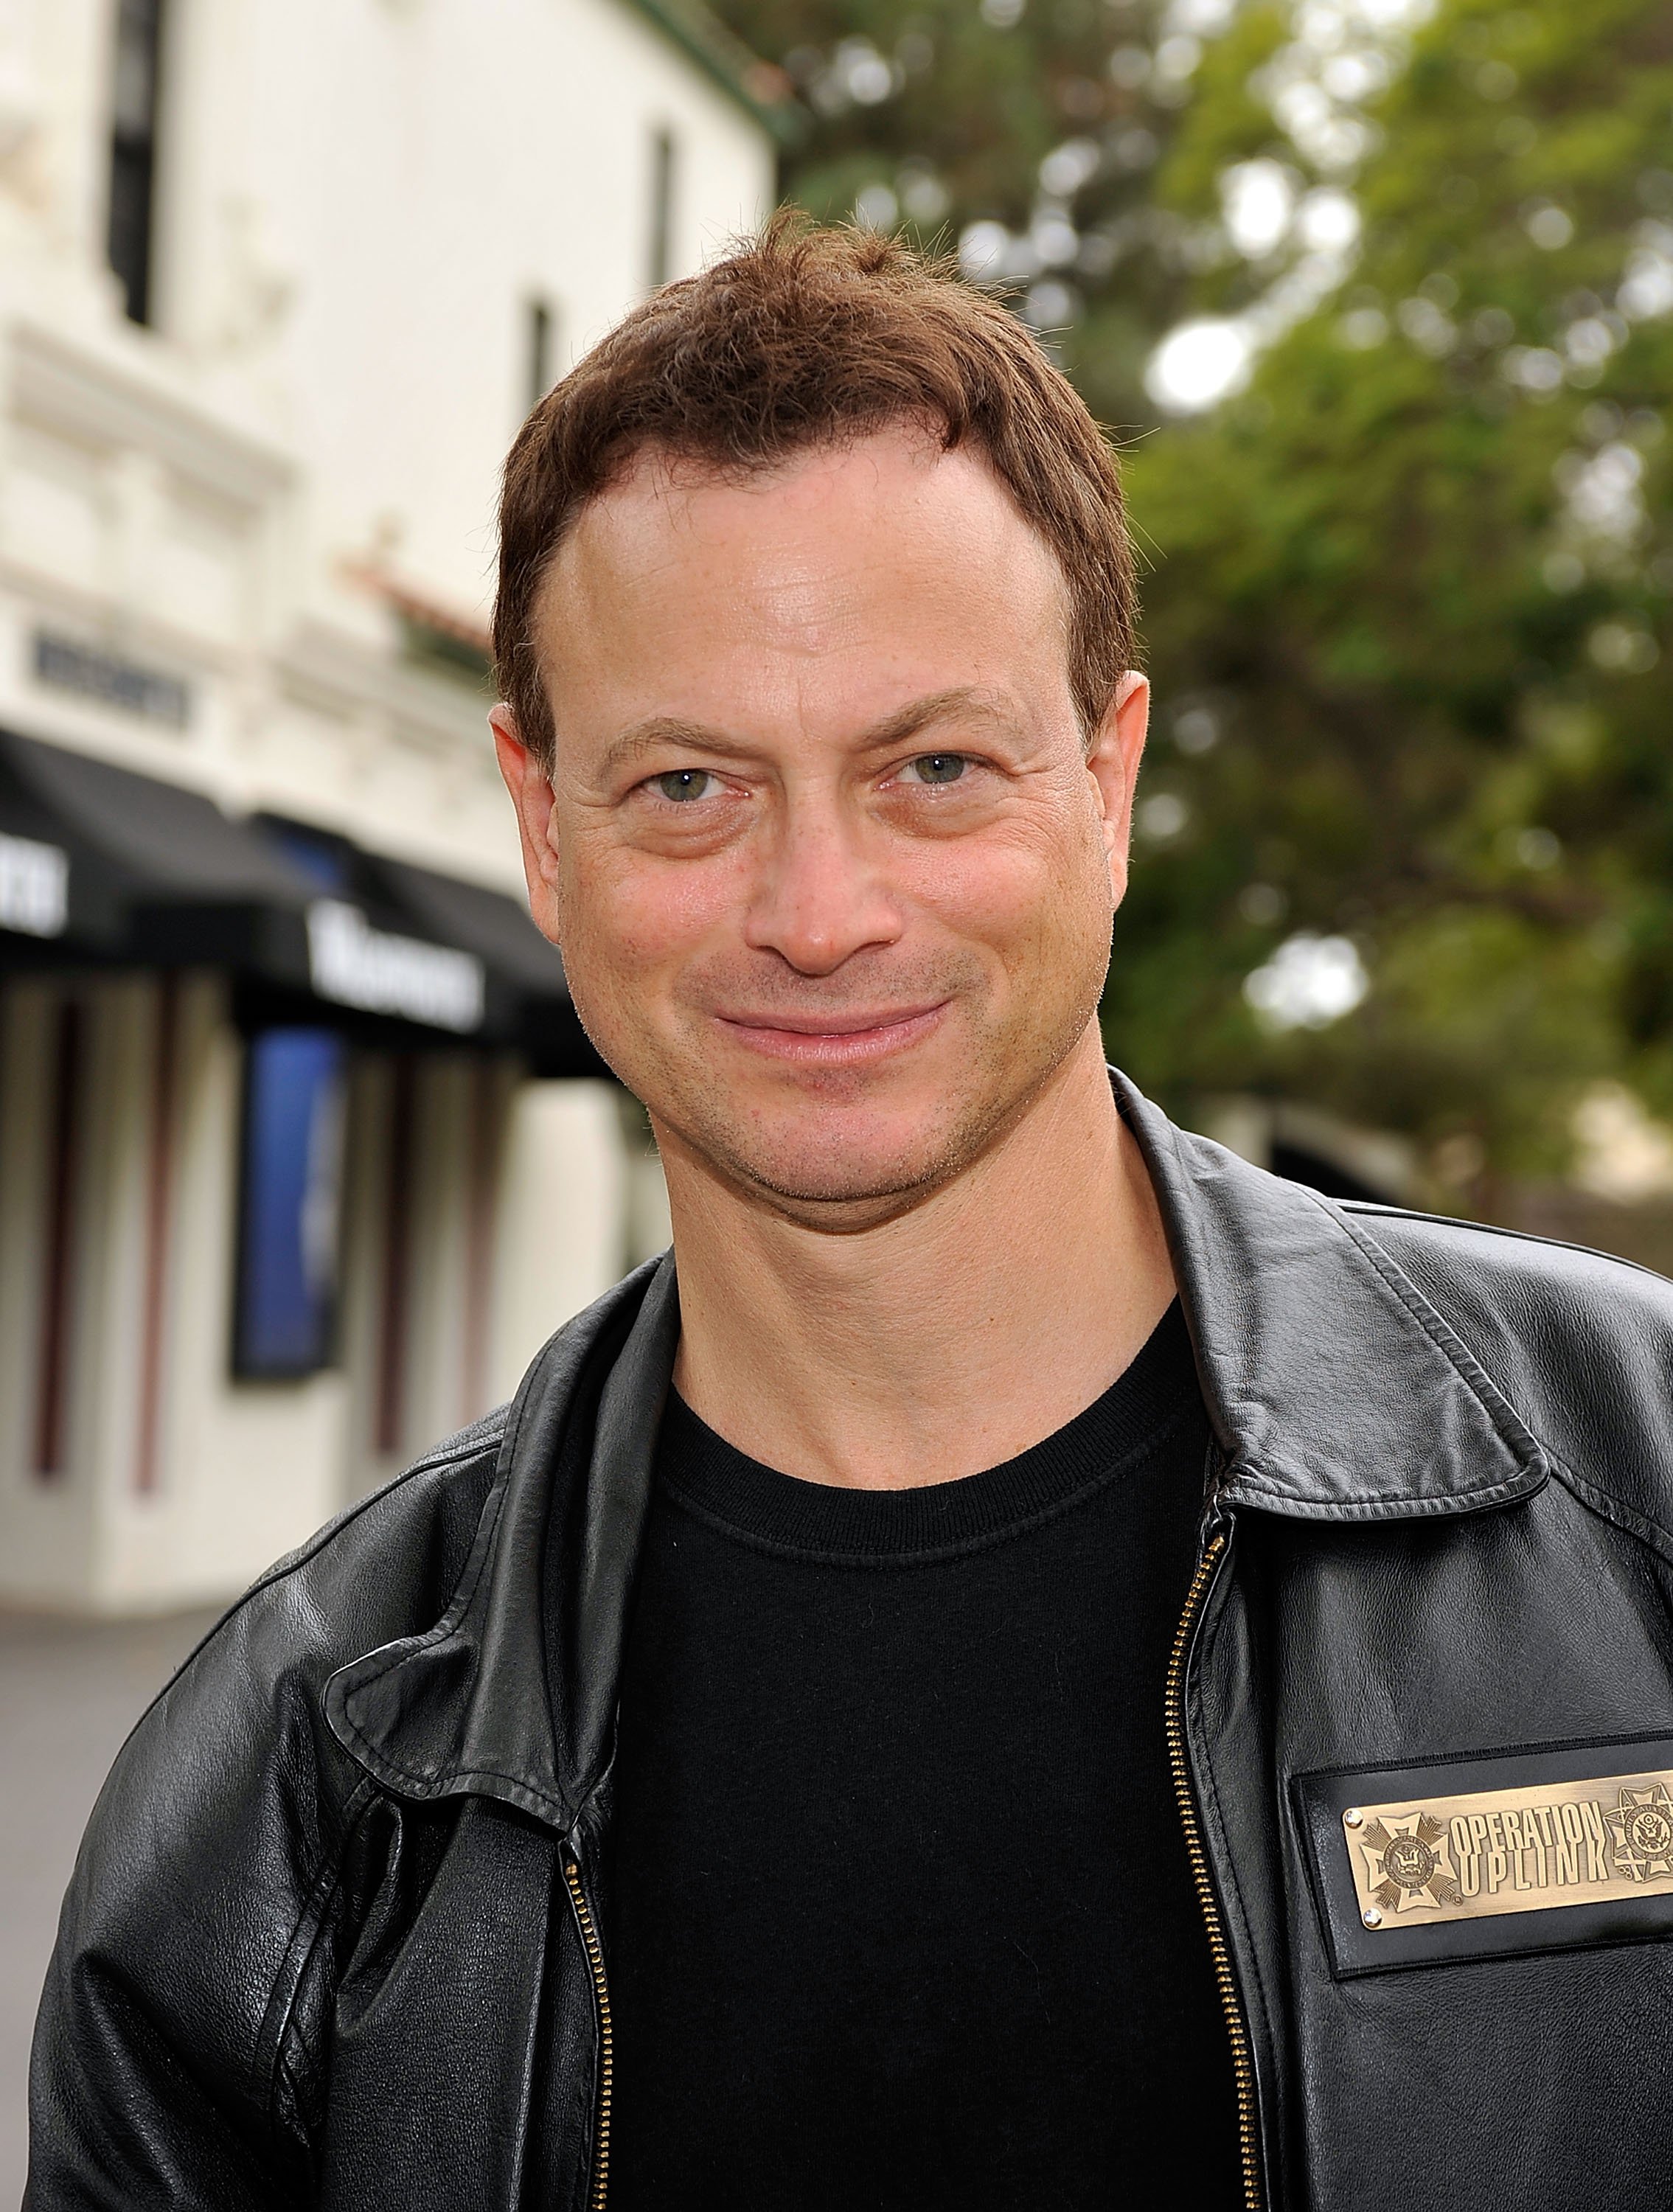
(159, 2077)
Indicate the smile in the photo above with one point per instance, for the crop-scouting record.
(834, 1040)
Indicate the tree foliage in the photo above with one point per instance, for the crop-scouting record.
(1419, 574)
(1029, 131)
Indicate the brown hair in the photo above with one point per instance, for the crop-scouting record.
(810, 336)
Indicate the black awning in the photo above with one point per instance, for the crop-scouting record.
(393, 939)
(525, 969)
(98, 863)
(146, 872)
(54, 895)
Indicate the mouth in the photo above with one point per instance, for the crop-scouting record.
(834, 1040)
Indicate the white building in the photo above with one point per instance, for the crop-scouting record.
(301, 1150)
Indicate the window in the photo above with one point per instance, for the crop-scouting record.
(134, 151)
(541, 332)
(661, 266)
(289, 1204)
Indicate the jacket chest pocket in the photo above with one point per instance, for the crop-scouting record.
(1495, 1855)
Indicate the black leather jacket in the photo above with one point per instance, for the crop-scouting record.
(339, 1933)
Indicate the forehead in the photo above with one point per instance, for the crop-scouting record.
(839, 548)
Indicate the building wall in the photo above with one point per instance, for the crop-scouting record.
(173, 1485)
(359, 202)
(493, 154)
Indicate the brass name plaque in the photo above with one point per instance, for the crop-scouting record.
(1512, 1850)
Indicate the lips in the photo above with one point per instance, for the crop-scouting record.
(834, 1038)
(832, 1024)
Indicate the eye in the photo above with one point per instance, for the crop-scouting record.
(681, 784)
(936, 767)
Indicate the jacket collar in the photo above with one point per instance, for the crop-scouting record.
(1336, 1392)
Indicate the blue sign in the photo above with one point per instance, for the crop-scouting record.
(290, 1204)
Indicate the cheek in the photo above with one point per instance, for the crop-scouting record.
(632, 913)
(1027, 881)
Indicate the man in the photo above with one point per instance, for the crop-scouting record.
(983, 1679)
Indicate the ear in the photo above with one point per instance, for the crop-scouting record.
(531, 789)
(1112, 763)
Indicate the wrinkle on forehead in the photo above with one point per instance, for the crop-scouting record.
(795, 555)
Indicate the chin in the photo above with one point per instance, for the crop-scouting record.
(871, 1165)
(846, 1181)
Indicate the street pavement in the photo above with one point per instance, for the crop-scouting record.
(69, 1692)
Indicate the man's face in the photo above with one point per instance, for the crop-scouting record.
(830, 861)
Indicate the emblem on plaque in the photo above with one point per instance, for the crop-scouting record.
(1531, 1847)
(1410, 1867)
(1641, 1828)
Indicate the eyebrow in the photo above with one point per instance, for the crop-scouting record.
(967, 700)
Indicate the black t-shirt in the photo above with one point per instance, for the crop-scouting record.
(903, 1914)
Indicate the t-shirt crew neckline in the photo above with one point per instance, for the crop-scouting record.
(788, 1515)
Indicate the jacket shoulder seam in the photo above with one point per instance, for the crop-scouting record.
(308, 1553)
(1374, 1211)
(1659, 1539)
(444, 1456)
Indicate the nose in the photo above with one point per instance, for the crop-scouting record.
(821, 896)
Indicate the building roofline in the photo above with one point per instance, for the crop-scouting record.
(759, 87)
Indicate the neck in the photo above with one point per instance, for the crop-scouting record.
(940, 1342)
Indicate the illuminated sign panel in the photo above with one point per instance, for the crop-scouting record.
(353, 964)
(34, 887)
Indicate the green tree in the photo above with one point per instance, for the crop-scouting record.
(1409, 609)
(1027, 132)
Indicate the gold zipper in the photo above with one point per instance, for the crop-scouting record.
(1242, 2066)
(589, 1937)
